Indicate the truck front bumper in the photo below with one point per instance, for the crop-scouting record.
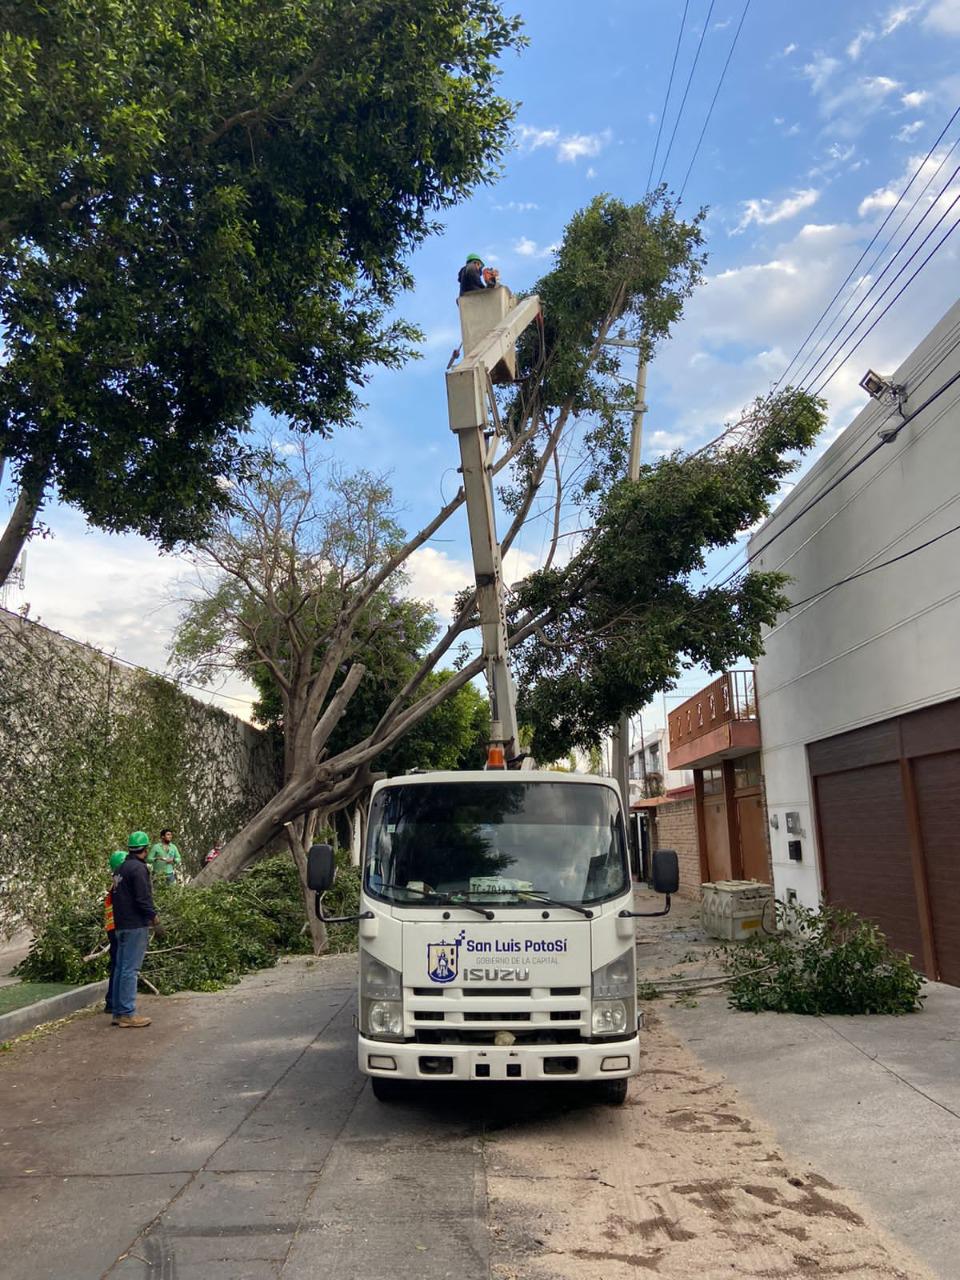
(546, 1063)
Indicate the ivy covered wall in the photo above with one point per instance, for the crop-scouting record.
(91, 750)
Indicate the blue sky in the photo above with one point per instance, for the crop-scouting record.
(825, 112)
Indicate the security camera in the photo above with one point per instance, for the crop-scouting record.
(874, 384)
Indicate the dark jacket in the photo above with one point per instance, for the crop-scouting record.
(132, 895)
(470, 277)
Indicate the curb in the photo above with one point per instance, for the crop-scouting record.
(18, 1021)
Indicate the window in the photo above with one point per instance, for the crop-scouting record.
(713, 781)
(747, 772)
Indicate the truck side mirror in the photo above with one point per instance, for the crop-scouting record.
(321, 868)
(666, 872)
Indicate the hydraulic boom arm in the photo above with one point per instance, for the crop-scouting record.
(492, 322)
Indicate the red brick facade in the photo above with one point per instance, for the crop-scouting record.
(674, 826)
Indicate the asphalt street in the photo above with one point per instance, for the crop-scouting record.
(235, 1140)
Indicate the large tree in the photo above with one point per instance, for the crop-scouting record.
(205, 208)
(621, 269)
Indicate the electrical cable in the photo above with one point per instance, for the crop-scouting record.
(713, 103)
(683, 100)
(848, 471)
(823, 361)
(863, 337)
(666, 100)
(873, 568)
(867, 274)
(873, 241)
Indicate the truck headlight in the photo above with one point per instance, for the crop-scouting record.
(384, 1019)
(381, 999)
(609, 1017)
(614, 1005)
(377, 980)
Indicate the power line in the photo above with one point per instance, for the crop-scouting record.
(873, 241)
(683, 100)
(936, 248)
(867, 273)
(847, 472)
(713, 103)
(666, 100)
(873, 568)
(835, 347)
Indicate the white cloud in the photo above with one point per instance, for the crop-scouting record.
(591, 172)
(517, 206)
(438, 577)
(915, 99)
(945, 17)
(788, 49)
(926, 169)
(528, 248)
(767, 212)
(820, 71)
(567, 148)
(530, 139)
(908, 130)
(896, 17)
(850, 106)
(855, 47)
(582, 144)
(116, 593)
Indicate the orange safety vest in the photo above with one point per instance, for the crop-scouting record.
(108, 912)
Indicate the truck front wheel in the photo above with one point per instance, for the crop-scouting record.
(614, 1092)
(385, 1089)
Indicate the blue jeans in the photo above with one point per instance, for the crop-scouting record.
(112, 970)
(131, 948)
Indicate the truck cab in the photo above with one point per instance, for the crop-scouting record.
(496, 932)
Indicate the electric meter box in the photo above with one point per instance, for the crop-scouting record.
(736, 909)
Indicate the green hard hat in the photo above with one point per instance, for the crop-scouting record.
(474, 257)
(118, 857)
(138, 840)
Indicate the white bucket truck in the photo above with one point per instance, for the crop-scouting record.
(497, 931)
(496, 924)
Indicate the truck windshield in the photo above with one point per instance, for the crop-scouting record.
(496, 843)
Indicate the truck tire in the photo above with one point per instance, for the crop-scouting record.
(614, 1092)
(386, 1090)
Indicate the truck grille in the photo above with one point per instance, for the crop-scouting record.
(556, 1015)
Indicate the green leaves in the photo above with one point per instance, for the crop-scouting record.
(625, 616)
(830, 961)
(206, 209)
(212, 936)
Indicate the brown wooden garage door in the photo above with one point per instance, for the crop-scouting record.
(937, 780)
(888, 818)
(866, 850)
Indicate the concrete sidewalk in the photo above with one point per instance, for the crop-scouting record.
(873, 1102)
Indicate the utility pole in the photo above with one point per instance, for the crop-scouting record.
(621, 739)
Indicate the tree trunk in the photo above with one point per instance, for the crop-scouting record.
(18, 527)
(318, 930)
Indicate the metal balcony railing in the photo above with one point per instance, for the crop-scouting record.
(732, 696)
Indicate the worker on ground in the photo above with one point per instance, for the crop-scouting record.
(473, 275)
(164, 858)
(117, 858)
(134, 915)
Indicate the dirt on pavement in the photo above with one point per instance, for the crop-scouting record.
(682, 1183)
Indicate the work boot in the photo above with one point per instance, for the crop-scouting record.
(133, 1020)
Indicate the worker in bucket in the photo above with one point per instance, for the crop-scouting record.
(474, 275)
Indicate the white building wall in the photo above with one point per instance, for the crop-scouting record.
(888, 642)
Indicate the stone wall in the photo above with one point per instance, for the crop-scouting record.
(92, 748)
(674, 826)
